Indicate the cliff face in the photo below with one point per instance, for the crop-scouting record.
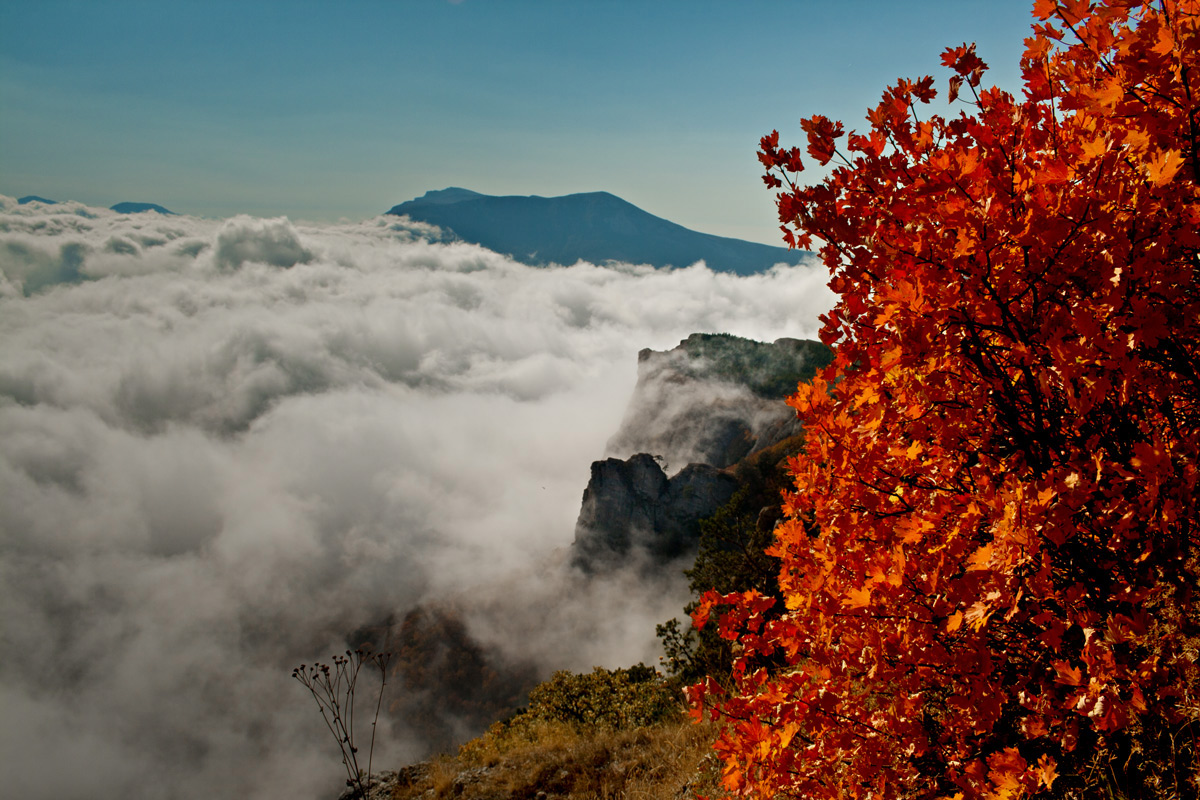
(714, 399)
(632, 505)
(697, 411)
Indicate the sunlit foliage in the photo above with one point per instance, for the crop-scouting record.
(989, 562)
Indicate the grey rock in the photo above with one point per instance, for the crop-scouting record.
(384, 784)
(697, 410)
(714, 399)
(632, 509)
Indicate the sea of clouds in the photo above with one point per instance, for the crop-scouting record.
(226, 444)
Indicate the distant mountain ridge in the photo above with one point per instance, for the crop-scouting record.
(120, 208)
(594, 226)
(138, 208)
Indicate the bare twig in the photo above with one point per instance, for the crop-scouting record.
(333, 688)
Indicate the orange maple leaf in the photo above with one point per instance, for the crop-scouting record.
(981, 558)
(1047, 771)
(858, 598)
(1163, 167)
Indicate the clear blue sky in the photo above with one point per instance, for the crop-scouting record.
(323, 110)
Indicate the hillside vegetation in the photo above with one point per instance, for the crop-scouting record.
(605, 734)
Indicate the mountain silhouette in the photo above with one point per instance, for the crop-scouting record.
(137, 208)
(595, 226)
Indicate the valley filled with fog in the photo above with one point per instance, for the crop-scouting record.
(225, 444)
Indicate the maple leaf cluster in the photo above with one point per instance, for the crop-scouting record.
(989, 561)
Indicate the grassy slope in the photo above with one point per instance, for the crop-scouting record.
(664, 761)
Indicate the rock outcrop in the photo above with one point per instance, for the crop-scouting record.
(631, 508)
(697, 411)
(387, 784)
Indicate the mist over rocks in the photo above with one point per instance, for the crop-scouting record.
(697, 409)
(447, 686)
(215, 466)
(714, 399)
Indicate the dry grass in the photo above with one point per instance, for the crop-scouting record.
(668, 761)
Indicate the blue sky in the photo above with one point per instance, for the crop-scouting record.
(324, 110)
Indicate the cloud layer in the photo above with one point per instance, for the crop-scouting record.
(226, 444)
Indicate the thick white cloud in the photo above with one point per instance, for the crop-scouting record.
(260, 241)
(224, 445)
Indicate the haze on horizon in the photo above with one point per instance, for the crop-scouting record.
(329, 111)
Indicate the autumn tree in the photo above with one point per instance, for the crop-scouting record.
(989, 563)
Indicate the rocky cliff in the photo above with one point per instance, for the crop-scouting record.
(697, 411)
(632, 509)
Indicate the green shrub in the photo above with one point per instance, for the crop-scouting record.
(619, 699)
(570, 704)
